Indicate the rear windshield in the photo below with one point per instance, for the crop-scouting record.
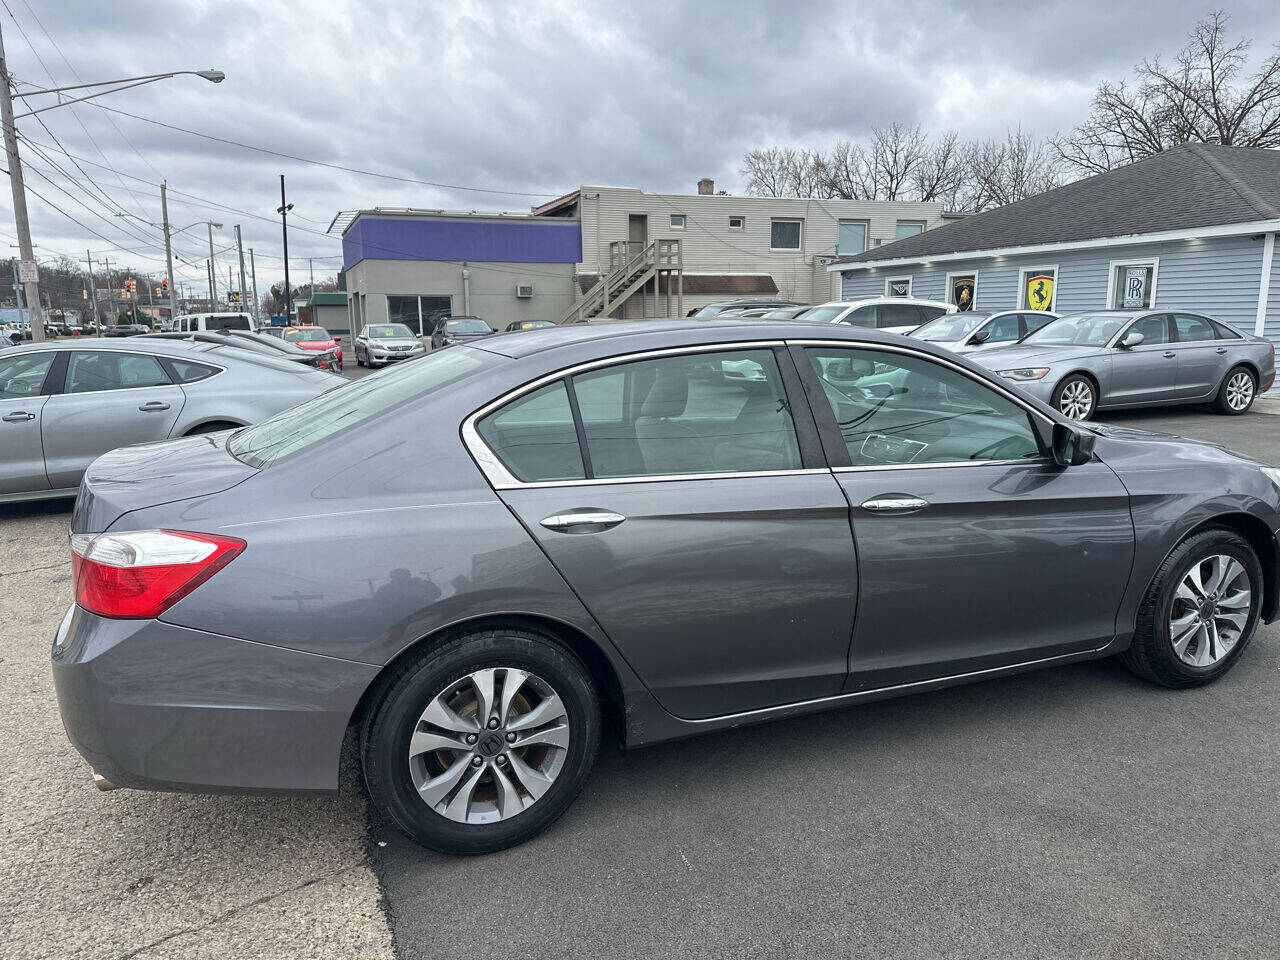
(312, 421)
(276, 360)
(237, 322)
(306, 336)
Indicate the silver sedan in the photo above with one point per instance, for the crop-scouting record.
(1087, 362)
(64, 404)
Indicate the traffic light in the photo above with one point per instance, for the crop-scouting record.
(164, 286)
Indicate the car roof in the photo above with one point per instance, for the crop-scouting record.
(624, 335)
(165, 345)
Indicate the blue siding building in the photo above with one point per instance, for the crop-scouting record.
(1193, 227)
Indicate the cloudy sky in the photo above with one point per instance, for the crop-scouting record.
(529, 98)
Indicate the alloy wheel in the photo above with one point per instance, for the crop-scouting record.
(1210, 610)
(1239, 390)
(489, 745)
(1076, 400)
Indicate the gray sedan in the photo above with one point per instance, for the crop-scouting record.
(64, 403)
(527, 534)
(1087, 362)
(381, 343)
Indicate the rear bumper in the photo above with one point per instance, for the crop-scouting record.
(163, 707)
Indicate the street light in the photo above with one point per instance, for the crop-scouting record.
(20, 220)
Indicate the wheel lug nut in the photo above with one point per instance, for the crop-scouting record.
(511, 737)
(476, 761)
(471, 738)
(502, 758)
(493, 722)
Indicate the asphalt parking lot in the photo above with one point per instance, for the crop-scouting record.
(1067, 813)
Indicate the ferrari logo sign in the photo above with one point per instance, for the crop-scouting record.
(962, 292)
(1040, 291)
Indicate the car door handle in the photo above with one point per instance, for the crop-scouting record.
(1169, 354)
(154, 405)
(593, 518)
(1221, 350)
(894, 503)
(18, 416)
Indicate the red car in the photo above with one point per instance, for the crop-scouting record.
(315, 338)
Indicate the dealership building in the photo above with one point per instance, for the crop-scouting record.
(607, 251)
(1193, 227)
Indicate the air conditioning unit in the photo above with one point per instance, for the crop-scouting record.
(524, 289)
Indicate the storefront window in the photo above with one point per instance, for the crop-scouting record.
(418, 312)
(1133, 285)
(1039, 288)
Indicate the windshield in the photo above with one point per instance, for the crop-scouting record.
(306, 336)
(824, 314)
(1084, 329)
(238, 322)
(466, 325)
(353, 403)
(388, 331)
(949, 327)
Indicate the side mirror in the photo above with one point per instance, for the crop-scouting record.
(1131, 339)
(982, 336)
(1072, 446)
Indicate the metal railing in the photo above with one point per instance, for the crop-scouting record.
(631, 265)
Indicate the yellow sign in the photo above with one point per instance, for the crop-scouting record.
(1040, 291)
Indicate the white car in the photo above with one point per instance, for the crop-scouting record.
(894, 314)
(979, 329)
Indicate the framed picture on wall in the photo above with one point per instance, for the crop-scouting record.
(1039, 288)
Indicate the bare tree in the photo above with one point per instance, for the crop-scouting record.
(1203, 97)
(1006, 171)
(783, 172)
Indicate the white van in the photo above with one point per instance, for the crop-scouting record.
(205, 322)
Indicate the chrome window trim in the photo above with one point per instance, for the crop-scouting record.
(155, 386)
(502, 479)
(1029, 462)
(663, 478)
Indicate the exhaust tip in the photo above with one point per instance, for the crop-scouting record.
(102, 783)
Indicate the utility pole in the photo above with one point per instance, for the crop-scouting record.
(311, 265)
(284, 227)
(213, 270)
(253, 271)
(93, 291)
(111, 293)
(240, 251)
(168, 255)
(20, 221)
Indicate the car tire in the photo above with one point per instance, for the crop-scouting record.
(1077, 393)
(1237, 393)
(359, 362)
(1169, 648)
(440, 817)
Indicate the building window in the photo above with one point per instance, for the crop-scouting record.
(1039, 288)
(908, 228)
(1132, 284)
(418, 313)
(785, 234)
(737, 223)
(897, 287)
(677, 221)
(962, 289)
(852, 237)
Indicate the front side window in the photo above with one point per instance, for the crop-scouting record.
(862, 317)
(23, 375)
(1192, 328)
(1132, 285)
(893, 409)
(784, 234)
(1154, 329)
(723, 412)
(534, 436)
(852, 237)
(90, 370)
(1003, 328)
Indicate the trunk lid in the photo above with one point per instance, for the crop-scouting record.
(150, 474)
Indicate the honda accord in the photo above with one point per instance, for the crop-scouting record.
(662, 527)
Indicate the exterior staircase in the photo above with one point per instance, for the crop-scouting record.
(631, 266)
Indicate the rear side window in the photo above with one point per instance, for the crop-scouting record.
(1192, 328)
(899, 315)
(310, 422)
(534, 436)
(1224, 332)
(92, 370)
(186, 371)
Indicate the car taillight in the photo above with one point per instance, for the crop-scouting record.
(138, 574)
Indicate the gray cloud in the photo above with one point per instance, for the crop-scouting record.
(535, 97)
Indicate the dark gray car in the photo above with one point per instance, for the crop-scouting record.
(528, 534)
(1087, 362)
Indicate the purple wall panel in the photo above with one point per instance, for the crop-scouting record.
(396, 238)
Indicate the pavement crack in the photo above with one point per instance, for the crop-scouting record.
(48, 566)
(227, 914)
